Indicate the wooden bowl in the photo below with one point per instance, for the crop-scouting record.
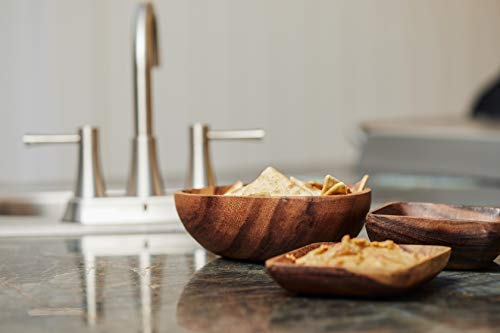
(473, 233)
(316, 280)
(258, 228)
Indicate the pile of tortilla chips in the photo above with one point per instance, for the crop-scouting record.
(272, 183)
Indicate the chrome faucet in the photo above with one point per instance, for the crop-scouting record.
(145, 179)
(145, 200)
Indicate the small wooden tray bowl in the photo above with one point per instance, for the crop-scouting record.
(258, 228)
(316, 280)
(473, 233)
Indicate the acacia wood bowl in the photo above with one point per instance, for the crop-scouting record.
(258, 228)
(473, 233)
(324, 280)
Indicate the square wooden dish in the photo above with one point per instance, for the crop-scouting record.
(472, 232)
(324, 280)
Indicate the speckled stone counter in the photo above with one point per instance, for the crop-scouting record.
(166, 283)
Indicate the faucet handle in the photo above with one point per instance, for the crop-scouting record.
(251, 134)
(200, 167)
(32, 139)
(89, 183)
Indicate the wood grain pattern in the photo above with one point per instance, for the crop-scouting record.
(473, 233)
(314, 280)
(257, 228)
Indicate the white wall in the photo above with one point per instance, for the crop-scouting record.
(306, 71)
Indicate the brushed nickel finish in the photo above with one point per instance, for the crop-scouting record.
(201, 172)
(145, 179)
(145, 200)
(200, 167)
(89, 180)
(90, 205)
(32, 139)
(121, 210)
(250, 134)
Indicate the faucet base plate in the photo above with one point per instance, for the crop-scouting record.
(121, 210)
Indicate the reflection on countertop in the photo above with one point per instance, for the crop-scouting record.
(166, 282)
(225, 295)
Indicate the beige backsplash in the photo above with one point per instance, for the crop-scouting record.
(306, 71)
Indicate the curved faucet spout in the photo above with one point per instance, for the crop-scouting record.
(145, 179)
(146, 56)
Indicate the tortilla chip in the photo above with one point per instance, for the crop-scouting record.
(332, 186)
(328, 182)
(274, 183)
(360, 186)
(262, 194)
(339, 188)
(305, 186)
(315, 184)
(234, 188)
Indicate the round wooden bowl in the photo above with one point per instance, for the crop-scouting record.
(258, 228)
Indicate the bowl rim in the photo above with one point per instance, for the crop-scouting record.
(277, 262)
(439, 219)
(329, 197)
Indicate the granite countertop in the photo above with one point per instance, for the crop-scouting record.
(166, 283)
